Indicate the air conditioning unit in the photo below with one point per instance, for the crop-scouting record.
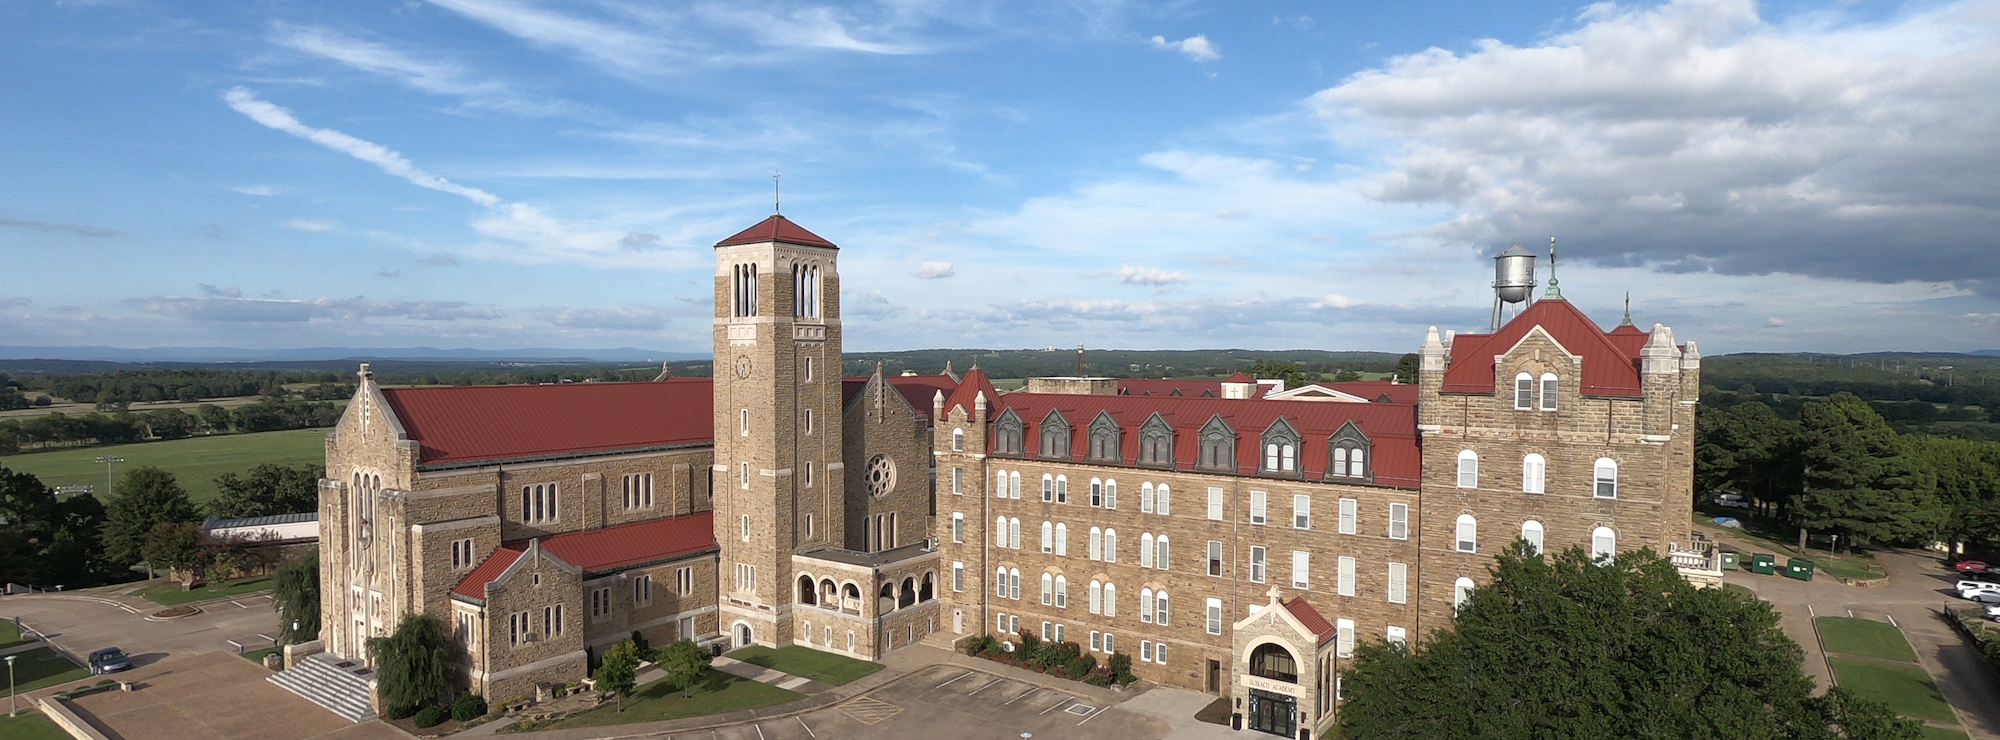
(930, 543)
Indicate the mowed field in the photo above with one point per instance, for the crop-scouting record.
(195, 462)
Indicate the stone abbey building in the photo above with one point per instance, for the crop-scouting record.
(1233, 536)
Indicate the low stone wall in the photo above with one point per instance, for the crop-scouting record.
(69, 721)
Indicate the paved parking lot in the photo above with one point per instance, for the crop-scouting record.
(217, 696)
(80, 623)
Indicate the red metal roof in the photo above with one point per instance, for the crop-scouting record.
(1610, 362)
(1375, 389)
(917, 389)
(638, 543)
(776, 229)
(1312, 619)
(473, 585)
(1398, 458)
(967, 393)
(1171, 387)
(1239, 377)
(488, 424)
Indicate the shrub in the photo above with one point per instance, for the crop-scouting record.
(468, 707)
(1097, 679)
(431, 716)
(1121, 665)
(1081, 666)
(1031, 648)
(399, 711)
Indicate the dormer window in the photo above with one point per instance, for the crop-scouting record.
(1531, 392)
(1217, 446)
(1105, 438)
(1156, 442)
(1349, 452)
(1055, 437)
(1281, 449)
(1007, 434)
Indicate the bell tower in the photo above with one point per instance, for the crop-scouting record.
(778, 469)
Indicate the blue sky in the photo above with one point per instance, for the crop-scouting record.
(532, 173)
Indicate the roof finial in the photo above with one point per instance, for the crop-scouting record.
(774, 193)
(1628, 310)
(1554, 291)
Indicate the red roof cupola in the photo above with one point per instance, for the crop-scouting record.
(776, 229)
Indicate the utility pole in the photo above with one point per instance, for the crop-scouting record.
(107, 461)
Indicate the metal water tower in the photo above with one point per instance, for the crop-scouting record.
(1513, 281)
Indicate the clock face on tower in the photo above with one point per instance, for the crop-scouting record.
(743, 366)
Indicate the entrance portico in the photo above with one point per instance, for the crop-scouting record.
(1283, 673)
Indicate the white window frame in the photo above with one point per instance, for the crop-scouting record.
(1110, 545)
(1534, 533)
(1551, 390)
(957, 576)
(1524, 392)
(1604, 478)
(1160, 500)
(1399, 583)
(1214, 626)
(1145, 549)
(1257, 557)
(1534, 473)
(1096, 547)
(1062, 540)
(1048, 537)
(1160, 552)
(1350, 516)
(1345, 584)
(1468, 469)
(1215, 558)
(958, 527)
(1466, 534)
(1301, 569)
(1603, 544)
(1344, 643)
(1399, 521)
(1257, 508)
(1215, 503)
(1146, 497)
(1461, 592)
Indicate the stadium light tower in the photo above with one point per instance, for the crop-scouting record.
(107, 461)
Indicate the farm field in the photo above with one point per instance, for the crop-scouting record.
(195, 462)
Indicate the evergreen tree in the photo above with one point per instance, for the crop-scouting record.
(1747, 448)
(145, 497)
(1859, 480)
(1968, 487)
(1559, 647)
(1407, 368)
(413, 664)
(46, 541)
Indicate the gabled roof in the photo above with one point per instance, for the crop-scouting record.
(473, 585)
(918, 390)
(1317, 623)
(967, 393)
(1239, 377)
(1610, 366)
(596, 551)
(776, 229)
(1181, 388)
(493, 424)
(1374, 390)
(1391, 427)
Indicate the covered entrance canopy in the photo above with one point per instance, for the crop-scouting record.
(1282, 673)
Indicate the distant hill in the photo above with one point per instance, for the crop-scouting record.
(311, 354)
(1028, 363)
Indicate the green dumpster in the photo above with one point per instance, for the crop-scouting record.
(1799, 568)
(1729, 558)
(1763, 563)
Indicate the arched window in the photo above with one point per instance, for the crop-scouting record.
(1217, 446)
(1104, 438)
(1159, 608)
(1048, 488)
(1531, 531)
(1281, 449)
(1096, 597)
(1348, 449)
(1524, 392)
(1145, 498)
(1062, 489)
(1096, 551)
(957, 440)
(909, 594)
(1000, 583)
(928, 590)
(885, 601)
(1160, 500)
(1055, 437)
(1534, 473)
(1062, 592)
(1461, 592)
(1146, 605)
(1468, 469)
(1097, 493)
(1110, 493)
(829, 594)
(1014, 583)
(1156, 442)
(1468, 533)
(1110, 600)
(1013, 533)
(808, 594)
(1111, 546)
(1271, 660)
(1000, 532)
(1550, 389)
(1048, 537)
(1605, 476)
(1146, 549)
(1603, 544)
(1062, 539)
(1160, 553)
(1007, 434)
(1048, 589)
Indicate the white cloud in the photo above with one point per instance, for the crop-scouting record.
(275, 117)
(76, 229)
(608, 44)
(258, 190)
(1195, 47)
(434, 76)
(1334, 300)
(818, 27)
(305, 225)
(227, 307)
(623, 319)
(1775, 322)
(1154, 276)
(933, 270)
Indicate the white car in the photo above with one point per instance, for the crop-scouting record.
(1976, 585)
(1993, 612)
(1983, 596)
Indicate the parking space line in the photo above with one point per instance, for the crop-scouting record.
(989, 685)
(959, 676)
(1031, 689)
(760, 731)
(1066, 700)
(1093, 715)
(809, 729)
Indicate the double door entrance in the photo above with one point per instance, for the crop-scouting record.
(1273, 713)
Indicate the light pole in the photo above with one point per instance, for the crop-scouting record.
(106, 461)
(10, 686)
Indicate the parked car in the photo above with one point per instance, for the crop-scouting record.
(1976, 585)
(1732, 500)
(1993, 612)
(1983, 595)
(109, 660)
(1971, 566)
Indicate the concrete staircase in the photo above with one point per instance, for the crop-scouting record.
(343, 687)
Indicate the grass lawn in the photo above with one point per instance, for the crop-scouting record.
(1905, 687)
(1864, 637)
(43, 667)
(257, 656)
(1785, 546)
(31, 725)
(10, 635)
(1941, 733)
(195, 461)
(799, 660)
(716, 693)
(170, 594)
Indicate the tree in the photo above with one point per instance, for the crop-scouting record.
(295, 594)
(1559, 647)
(1280, 369)
(619, 672)
(213, 418)
(145, 496)
(413, 664)
(47, 541)
(1747, 448)
(267, 490)
(178, 545)
(1859, 480)
(1968, 487)
(1407, 367)
(684, 663)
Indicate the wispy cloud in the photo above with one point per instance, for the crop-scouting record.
(442, 77)
(211, 290)
(605, 44)
(440, 260)
(305, 225)
(1154, 276)
(935, 270)
(1196, 47)
(257, 190)
(624, 319)
(234, 309)
(76, 229)
(275, 117)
